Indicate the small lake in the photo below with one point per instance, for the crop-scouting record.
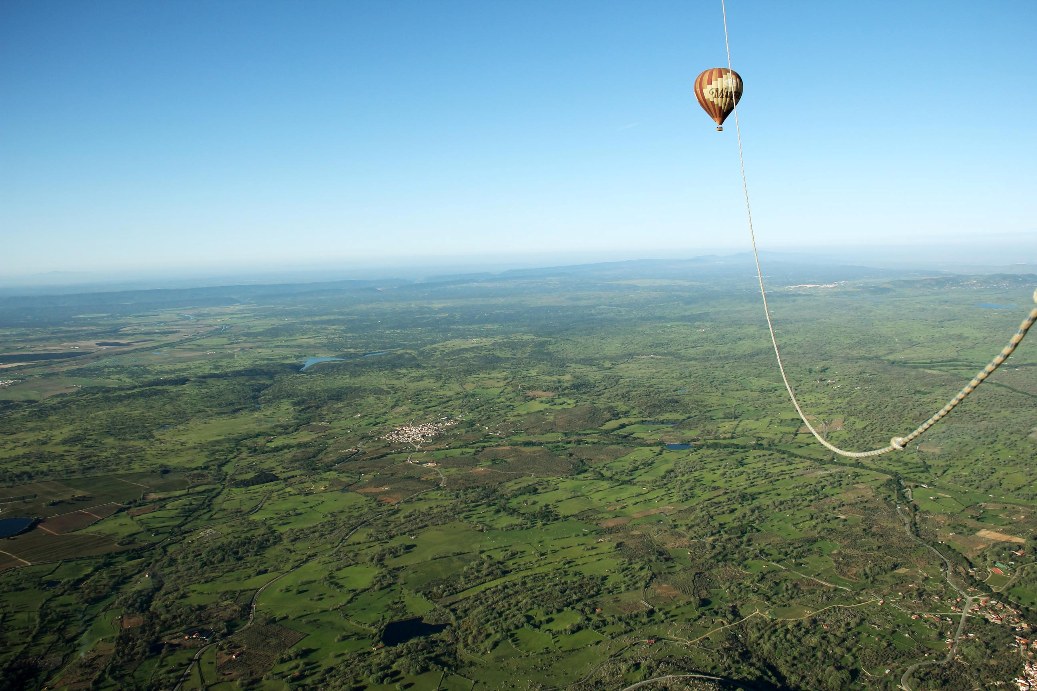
(10, 527)
(397, 632)
(678, 447)
(995, 306)
(311, 361)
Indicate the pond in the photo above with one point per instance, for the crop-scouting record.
(677, 447)
(397, 632)
(10, 527)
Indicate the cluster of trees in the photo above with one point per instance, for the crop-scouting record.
(206, 556)
(389, 665)
(260, 478)
(479, 570)
(483, 621)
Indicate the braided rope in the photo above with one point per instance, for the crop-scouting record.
(896, 443)
(979, 378)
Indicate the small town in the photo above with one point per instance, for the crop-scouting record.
(997, 612)
(418, 434)
(1028, 680)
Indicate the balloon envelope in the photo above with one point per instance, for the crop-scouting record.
(718, 89)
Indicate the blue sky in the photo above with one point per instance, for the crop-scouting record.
(165, 136)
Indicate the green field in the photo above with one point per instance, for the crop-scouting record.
(491, 455)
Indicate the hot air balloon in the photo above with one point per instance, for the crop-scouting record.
(718, 89)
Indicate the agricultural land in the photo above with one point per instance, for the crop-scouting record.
(578, 478)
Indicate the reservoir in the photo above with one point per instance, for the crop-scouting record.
(677, 447)
(9, 527)
(397, 632)
(311, 361)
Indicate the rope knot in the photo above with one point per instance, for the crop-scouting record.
(897, 443)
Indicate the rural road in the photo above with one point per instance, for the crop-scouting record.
(950, 653)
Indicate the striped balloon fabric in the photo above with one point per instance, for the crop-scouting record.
(718, 89)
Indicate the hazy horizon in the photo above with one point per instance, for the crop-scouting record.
(938, 258)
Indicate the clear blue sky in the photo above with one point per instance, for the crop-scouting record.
(210, 134)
